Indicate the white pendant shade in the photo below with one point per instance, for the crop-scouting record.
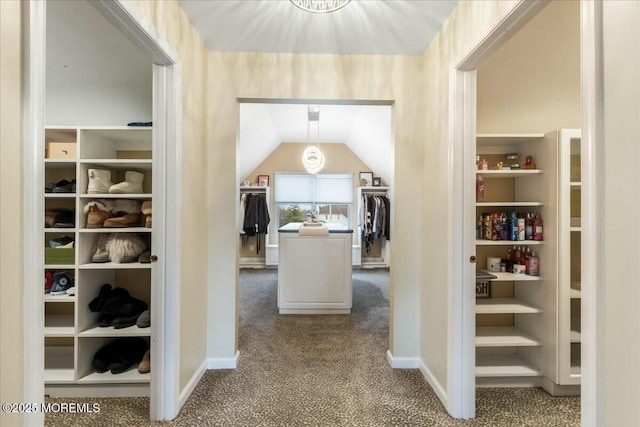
(312, 160)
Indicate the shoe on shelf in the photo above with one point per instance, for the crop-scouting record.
(100, 252)
(144, 320)
(64, 186)
(64, 218)
(61, 282)
(71, 291)
(132, 184)
(48, 281)
(99, 181)
(61, 242)
(145, 257)
(146, 211)
(119, 355)
(125, 213)
(115, 298)
(97, 212)
(125, 247)
(122, 311)
(97, 304)
(144, 367)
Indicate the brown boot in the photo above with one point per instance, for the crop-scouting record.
(125, 213)
(97, 212)
(146, 211)
(144, 366)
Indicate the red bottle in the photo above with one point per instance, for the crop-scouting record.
(537, 228)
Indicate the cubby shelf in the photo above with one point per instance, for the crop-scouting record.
(71, 334)
(482, 242)
(515, 173)
(507, 365)
(110, 331)
(511, 277)
(503, 336)
(508, 204)
(504, 305)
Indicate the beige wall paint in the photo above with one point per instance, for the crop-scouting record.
(286, 76)
(286, 158)
(11, 224)
(619, 293)
(532, 82)
(466, 26)
(173, 25)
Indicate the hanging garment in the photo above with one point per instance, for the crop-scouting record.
(256, 217)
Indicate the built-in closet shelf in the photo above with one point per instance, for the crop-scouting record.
(515, 173)
(254, 188)
(116, 230)
(510, 277)
(110, 331)
(505, 139)
(576, 335)
(60, 195)
(503, 336)
(59, 163)
(59, 325)
(115, 196)
(504, 305)
(144, 164)
(58, 364)
(59, 298)
(58, 266)
(59, 230)
(576, 370)
(507, 365)
(507, 204)
(576, 185)
(576, 229)
(576, 290)
(131, 376)
(481, 242)
(114, 266)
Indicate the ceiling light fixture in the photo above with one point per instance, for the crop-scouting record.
(320, 6)
(312, 157)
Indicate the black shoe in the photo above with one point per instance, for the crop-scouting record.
(64, 218)
(97, 304)
(119, 355)
(64, 186)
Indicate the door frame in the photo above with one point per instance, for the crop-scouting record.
(167, 118)
(462, 150)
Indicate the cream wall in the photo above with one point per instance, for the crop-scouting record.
(531, 84)
(465, 27)
(619, 286)
(11, 224)
(270, 75)
(175, 28)
(286, 158)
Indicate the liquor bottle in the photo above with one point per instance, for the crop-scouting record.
(537, 228)
(528, 227)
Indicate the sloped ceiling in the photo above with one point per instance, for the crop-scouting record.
(368, 27)
(365, 129)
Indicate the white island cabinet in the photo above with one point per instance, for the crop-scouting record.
(314, 270)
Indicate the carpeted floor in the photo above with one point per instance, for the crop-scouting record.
(324, 371)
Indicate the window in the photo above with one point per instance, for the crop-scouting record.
(327, 196)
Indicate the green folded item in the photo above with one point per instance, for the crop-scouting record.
(59, 256)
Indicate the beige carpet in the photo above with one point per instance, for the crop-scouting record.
(324, 371)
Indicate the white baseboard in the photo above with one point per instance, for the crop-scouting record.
(434, 383)
(402, 362)
(223, 362)
(191, 385)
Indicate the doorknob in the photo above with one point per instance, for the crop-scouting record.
(472, 259)
(153, 258)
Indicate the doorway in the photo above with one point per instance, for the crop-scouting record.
(468, 122)
(164, 143)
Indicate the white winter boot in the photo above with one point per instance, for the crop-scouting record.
(132, 184)
(99, 181)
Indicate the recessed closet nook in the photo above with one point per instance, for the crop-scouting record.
(96, 83)
(527, 207)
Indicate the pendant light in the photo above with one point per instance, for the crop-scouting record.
(312, 157)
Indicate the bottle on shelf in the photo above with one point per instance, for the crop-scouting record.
(520, 227)
(537, 227)
(513, 225)
(533, 264)
(528, 227)
(479, 189)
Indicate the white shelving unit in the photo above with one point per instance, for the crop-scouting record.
(511, 328)
(72, 335)
(569, 290)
